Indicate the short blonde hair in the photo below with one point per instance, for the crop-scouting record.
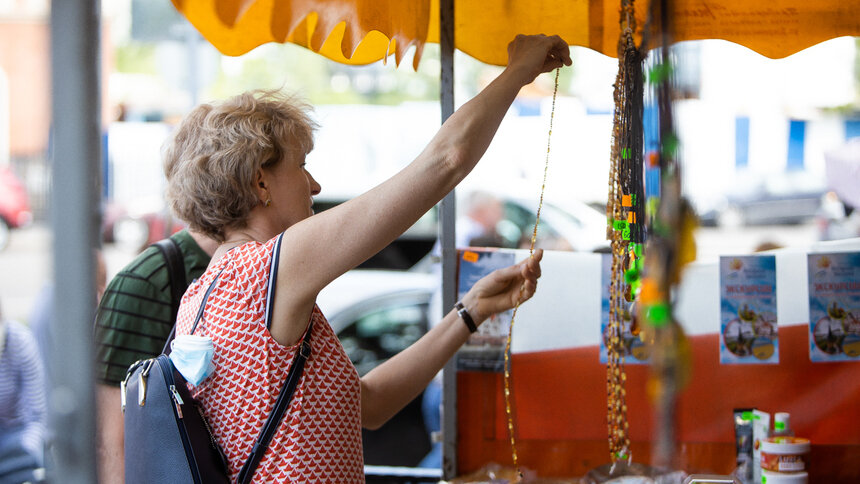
(211, 161)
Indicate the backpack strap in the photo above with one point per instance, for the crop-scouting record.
(178, 282)
(286, 395)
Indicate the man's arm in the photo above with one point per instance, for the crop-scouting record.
(110, 435)
(132, 321)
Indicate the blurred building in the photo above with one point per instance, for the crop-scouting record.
(25, 72)
(25, 93)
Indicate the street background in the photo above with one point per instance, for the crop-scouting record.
(26, 265)
(754, 131)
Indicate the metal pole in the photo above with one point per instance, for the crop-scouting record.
(75, 30)
(447, 218)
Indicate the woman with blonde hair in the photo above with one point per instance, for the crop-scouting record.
(236, 172)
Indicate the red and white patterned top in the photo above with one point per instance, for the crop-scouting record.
(319, 439)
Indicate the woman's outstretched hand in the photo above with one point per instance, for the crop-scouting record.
(503, 288)
(531, 55)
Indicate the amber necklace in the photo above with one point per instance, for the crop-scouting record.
(508, 410)
(625, 213)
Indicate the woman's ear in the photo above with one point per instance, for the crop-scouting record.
(260, 185)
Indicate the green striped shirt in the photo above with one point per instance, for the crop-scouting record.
(134, 315)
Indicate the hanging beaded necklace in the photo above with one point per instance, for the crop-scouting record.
(508, 409)
(624, 229)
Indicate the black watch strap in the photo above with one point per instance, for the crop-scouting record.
(466, 317)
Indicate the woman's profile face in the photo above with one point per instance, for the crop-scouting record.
(291, 189)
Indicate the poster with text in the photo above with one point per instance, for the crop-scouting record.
(834, 306)
(748, 318)
(484, 350)
(634, 350)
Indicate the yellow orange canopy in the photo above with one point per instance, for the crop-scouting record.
(364, 31)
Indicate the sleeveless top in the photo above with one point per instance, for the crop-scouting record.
(319, 439)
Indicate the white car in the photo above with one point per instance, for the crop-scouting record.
(376, 314)
(568, 225)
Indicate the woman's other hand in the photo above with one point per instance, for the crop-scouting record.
(531, 55)
(503, 288)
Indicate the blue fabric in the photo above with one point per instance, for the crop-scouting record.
(431, 408)
(17, 462)
(742, 141)
(22, 398)
(796, 144)
(852, 129)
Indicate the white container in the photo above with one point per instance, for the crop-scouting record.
(768, 477)
(782, 424)
(784, 454)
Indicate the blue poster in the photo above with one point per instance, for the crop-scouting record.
(834, 306)
(635, 351)
(484, 350)
(748, 318)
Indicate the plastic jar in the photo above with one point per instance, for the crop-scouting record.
(784, 454)
(768, 477)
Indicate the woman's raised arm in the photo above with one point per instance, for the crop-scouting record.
(319, 249)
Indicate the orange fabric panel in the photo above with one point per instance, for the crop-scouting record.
(364, 31)
(349, 32)
(560, 402)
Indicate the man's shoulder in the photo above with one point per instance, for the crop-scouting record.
(151, 260)
(144, 264)
(144, 276)
(192, 253)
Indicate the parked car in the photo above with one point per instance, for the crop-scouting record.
(780, 199)
(14, 205)
(565, 225)
(376, 314)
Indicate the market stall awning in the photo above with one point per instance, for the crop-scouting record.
(364, 31)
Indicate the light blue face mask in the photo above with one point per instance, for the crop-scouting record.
(192, 357)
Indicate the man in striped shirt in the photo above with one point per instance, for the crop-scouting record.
(22, 404)
(133, 321)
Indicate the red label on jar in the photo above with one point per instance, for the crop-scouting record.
(783, 462)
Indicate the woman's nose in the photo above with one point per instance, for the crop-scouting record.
(315, 187)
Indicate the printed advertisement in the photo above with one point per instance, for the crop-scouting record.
(834, 306)
(748, 318)
(635, 351)
(484, 351)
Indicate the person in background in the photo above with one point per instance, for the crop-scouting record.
(41, 315)
(133, 321)
(478, 228)
(236, 171)
(22, 405)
